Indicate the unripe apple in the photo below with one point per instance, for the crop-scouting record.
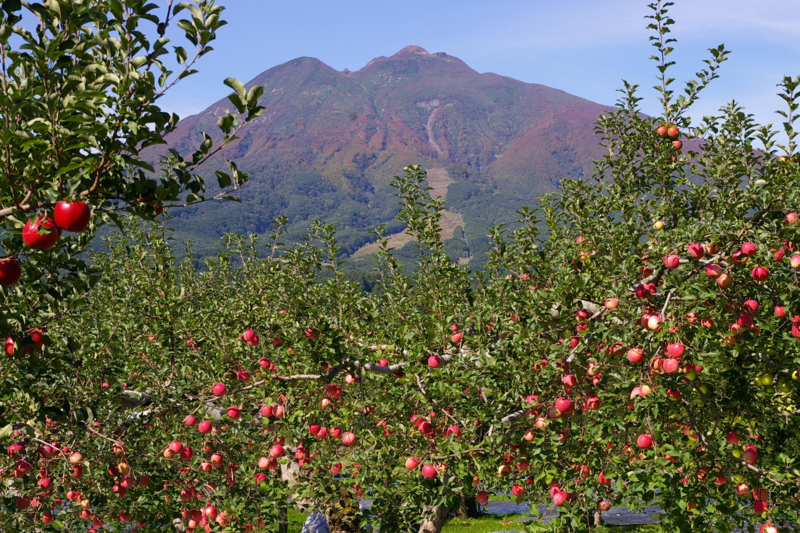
(644, 441)
(658, 225)
(611, 303)
(725, 280)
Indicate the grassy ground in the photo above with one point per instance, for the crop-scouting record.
(488, 523)
(484, 524)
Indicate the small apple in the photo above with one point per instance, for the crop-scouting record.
(10, 271)
(644, 441)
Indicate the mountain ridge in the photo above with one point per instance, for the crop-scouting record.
(330, 141)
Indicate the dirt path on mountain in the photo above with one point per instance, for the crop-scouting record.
(438, 181)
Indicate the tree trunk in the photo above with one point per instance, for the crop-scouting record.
(434, 523)
(468, 508)
(598, 518)
(344, 518)
(283, 526)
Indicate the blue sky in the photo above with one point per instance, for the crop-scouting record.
(583, 47)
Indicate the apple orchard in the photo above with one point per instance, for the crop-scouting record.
(634, 341)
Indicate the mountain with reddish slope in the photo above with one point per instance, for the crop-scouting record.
(329, 143)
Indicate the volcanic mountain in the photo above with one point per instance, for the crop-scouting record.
(329, 143)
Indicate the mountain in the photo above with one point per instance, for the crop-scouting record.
(329, 143)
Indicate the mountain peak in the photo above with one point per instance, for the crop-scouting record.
(413, 50)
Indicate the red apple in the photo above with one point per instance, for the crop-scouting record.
(673, 132)
(644, 441)
(602, 479)
(219, 389)
(348, 439)
(696, 251)
(190, 420)
(73, 216)
(412, 463)
(250, 337)
(564, 405)
(429, 471)
(672, 261)
(204, 427)
(749, 249)
(713, 270)
(518, 490)
(791, 218)
(482, 497)
(780, 311)
(41, 234)
(10, 271)
(434, 361)
(635, 355)
(675, 350)
(750, 455)
(760, 273)
(611, 303)
(662, 131)
(276, 451)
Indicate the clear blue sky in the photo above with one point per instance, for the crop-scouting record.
(585, 47)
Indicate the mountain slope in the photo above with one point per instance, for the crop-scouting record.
(329, 143)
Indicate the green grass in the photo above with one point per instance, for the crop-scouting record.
(482, 524)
